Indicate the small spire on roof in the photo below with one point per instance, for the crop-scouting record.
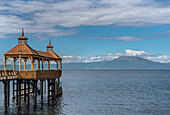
(22, 32)
(49, 41)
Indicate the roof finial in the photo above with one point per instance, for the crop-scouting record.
(22, 32)
(49, 41)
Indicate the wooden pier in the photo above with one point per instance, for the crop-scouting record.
(25, 82)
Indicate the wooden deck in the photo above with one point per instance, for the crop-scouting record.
(29, 74)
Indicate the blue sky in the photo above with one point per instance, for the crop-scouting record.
(89, 29)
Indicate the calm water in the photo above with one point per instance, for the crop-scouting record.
(105, 93)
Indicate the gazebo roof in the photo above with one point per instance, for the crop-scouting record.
(28, 51)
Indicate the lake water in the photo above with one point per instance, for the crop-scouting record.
(105, 93)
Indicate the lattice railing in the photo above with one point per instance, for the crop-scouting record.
(8, 74)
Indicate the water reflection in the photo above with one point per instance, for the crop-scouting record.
(54, 107)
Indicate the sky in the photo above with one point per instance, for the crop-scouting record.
(89, 30)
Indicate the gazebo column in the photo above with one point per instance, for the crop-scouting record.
(20, 62)
(48, 64)
(25, 63)
(14, 62)
(57, 63)
(5, 62)
(32, 63)
(42, 64)
(60, 64)
(38, 64)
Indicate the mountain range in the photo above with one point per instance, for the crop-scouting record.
(121, 63)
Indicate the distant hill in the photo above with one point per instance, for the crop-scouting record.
(121, 63)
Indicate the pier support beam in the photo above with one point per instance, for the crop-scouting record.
(56, 88)
(53, 88)
(35, 93)
(48, 91)
(8, 92)
(19, 97)
(17, 91)
(44, 86)
(25, 90)
(28, 82)
(5, 95)
(13, 90)
(41, 91)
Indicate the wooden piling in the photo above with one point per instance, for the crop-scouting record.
(25, 90)
(35, 93)
(28, 82)
(44, 86)
(13, 89)
(19, 97)
(17, 87)
(56, 85)
(53, 88)
(5, 95)
(48, 91)
(8, 85)
(41, 91)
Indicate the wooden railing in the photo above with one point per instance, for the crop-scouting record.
(29, 74)
(8, 74)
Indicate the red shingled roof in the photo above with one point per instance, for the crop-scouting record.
(26, 49)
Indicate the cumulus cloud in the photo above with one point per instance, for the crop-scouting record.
(42, 16)
(136, 53)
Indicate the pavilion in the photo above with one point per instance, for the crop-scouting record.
(25, 81)
(23, 50)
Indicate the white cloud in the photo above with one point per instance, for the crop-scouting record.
(41, 17)
(136, 53)
(120, 38)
